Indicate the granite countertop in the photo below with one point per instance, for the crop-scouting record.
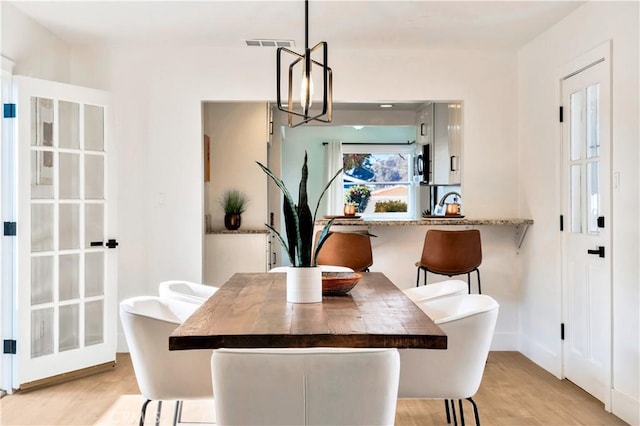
(427, 221)
(238, 231)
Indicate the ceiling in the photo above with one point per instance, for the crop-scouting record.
(343, 24)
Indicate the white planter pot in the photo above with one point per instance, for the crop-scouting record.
(304, 285)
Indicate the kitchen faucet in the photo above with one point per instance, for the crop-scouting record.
(444, 197)
(452, 209)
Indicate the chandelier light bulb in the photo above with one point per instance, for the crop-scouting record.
(306, 90)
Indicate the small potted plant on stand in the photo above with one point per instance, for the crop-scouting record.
(304, 278)
(233, 204)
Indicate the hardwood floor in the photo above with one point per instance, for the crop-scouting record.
(514, 392)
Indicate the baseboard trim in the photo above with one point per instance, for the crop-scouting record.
(541, 355)
(625, 407)
(65, 377)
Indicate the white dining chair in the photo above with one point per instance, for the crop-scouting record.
(437, 290)
(161, 374)
(455, 373)
(186, 291)
(309, 386)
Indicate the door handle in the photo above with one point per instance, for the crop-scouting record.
(111, 244)
(453, 166)
(599, 251)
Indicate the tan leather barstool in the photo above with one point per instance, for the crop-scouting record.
(350, 249)
(451, 253)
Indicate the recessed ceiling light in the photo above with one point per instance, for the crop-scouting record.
(386, 105)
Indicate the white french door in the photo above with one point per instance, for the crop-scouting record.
(587, 227)
(66, 280)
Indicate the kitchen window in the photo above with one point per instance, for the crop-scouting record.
(377, 179)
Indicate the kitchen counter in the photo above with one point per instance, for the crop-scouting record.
(239, 231)
(426, 221)
(521, 225)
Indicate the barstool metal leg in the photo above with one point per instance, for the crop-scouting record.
(479, 288)
(446, 410)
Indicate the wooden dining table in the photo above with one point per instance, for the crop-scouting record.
(251, 311)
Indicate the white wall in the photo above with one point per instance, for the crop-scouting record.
(539, 163)
(35, 51)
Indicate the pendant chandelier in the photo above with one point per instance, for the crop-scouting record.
(304, 65)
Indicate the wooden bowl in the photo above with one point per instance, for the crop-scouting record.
(334, 283)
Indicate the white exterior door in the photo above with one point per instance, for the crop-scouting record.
(66, 281)
(586, 236)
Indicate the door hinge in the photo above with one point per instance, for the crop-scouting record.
(562, 222)
(9, 110)
(9, 347)
(10, 229)
(562, 331)
(561, 114)
(600, 221)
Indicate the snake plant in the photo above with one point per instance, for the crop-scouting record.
(299, 221)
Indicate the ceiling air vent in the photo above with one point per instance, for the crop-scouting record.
(270, 43)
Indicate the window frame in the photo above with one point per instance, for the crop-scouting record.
(391, 148)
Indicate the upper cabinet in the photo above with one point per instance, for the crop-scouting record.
(439, 126)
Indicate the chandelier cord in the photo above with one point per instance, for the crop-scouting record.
(306, 25)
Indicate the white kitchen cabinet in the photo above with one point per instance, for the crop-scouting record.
(447, 141)
(424, 124)
(228, 252)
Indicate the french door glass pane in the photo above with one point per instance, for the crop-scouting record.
(577, 125)
(576, 198)
(41, 279)
(93, 128)
(94, 177)
(42, 122)
(41, 227)
(69, 226)
(94, 274)
(42, 174)
(69, 122)
(41, 332)
(69, 176)
(93, 323)
(94, 223)
(593, 121)
(69, 284)
(593, 197)
(69, 325)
